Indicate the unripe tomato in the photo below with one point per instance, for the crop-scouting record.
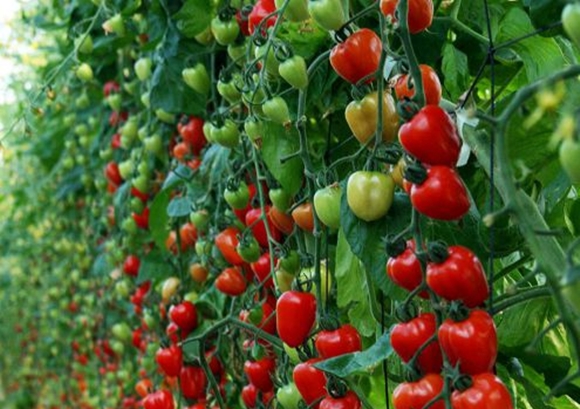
(569, 154)
(362, 117)
(327, 205)
(570, 18)
(370, 194)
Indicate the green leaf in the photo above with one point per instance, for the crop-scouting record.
(277, 143)
(154, 268)
(366, 239)
(178, 207)
(455, 71)
(541, 56)
(572, 215)
(177, 176)
(158, 218)
(100, 266)
(352, 288)
(358, 362)
(194, 17)
(305, 41)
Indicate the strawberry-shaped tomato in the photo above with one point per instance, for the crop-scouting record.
(131, 265)
(261, 9)
(485, 391)
(343, 340)
(231, 282)
(471, 343)
(358, 56)
(405, 269)
(260, 373)
(408, 337)
(226, 242)
(250, 396)
(184, 315)
(295, 316)
(431, 137)
(415, 395)
(405, 88)
(169, 360)
(112, 173)
(162, 399)
(348, 401)
(193, 382)
(262, 270)
(253, 220)
(419, 14)
(310, 382)
(442, 195)
(192, 134)
(457, 274)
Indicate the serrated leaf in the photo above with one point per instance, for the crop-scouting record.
(366, 239)
(158, 218)
(193, 17)
(178, 207)
(455, 71)
(277, 143)
(352, 288)
(349, 364)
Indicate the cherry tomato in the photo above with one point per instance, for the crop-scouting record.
(192, 382)
(348, 401)
(419, 14)
(405, 88)
(169, 360)
(226, 242)
(408, 337)
(415, 395)
(112, 173)
(184, 315)
(260, 373)
(282, 221)
(262, 270)
(249, 249)
(358, 57)
(192, 134)
(303, 216)
(569, 153)
(231, 282)
(327, 205)
(328, 14)
(441, 196)
(310, 382)
(259, 12)
(343, 340)
(288, 396)
(162, 399)
(293, 70)
(197, 78)
(570, 18)
(370, 194)
(250, 396)
(405, 269)
(254, 221)
(238, 196)
(362, 117)
(431, 137)
(459, 276)
(225, 31)
(131, 265)
(296, 314)
(486, 391)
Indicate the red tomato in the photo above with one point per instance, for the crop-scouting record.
(431, 137)
(415, 395)
(110, 87)
(303, 216)
(231, 282)
(180, 151)
(250, 396)
(295, 316)
(405, 88)
(172, 332)
(192, 134)
(226, 242)
(260, 373)
(112, 173)
(419, 14)
(193, 382)
(281, 220)
(159, 400)
(253, 220)
(187, 236)
(405, 270)
(143, 387)
(131, 265)
(261, 9)
(184, 315)
(310, 382)
(459, 276)
(358, 57)
(408, 337)
(261, 269)
(137, 193)
(460, 340)
(348, 401)
(343, 340)
(169, 360)
(442, 195)
(116, 141)
(486, 391)
(142, 219)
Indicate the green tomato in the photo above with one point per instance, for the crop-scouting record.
(114, 101)
(269, 60)
(296, 10)
(253, 128)
(249, 249)
(200, 219)
(146, 99)
(83, 101)
(115, 25)
(237, 53)
(227, 135)
(85, 46)
(143, 68)
(153, 144)
(84, 72)
(308, 273)
(130, 129)
(570, 159)
(122, 332)
(571, 22)
(225, 32)
(126, 169)
(370, 194)
(197, 78)
(136, 205)
(165, 116)
(229, 90)
(205, 37)
(284, 280)
(276, 110)
(238, 197)
(141, 183)
(288, 396)
(208, 128)
(129, 226)
(290, 262)
(280, 198)
(294, 71)
(327, 205)
(329, 14)
(292, 354)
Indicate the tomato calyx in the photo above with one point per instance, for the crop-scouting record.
(415, 173)
(336, 387)
(395, 245)
(437, 252)
(458, 311)
(462, 382)
(407, 109)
